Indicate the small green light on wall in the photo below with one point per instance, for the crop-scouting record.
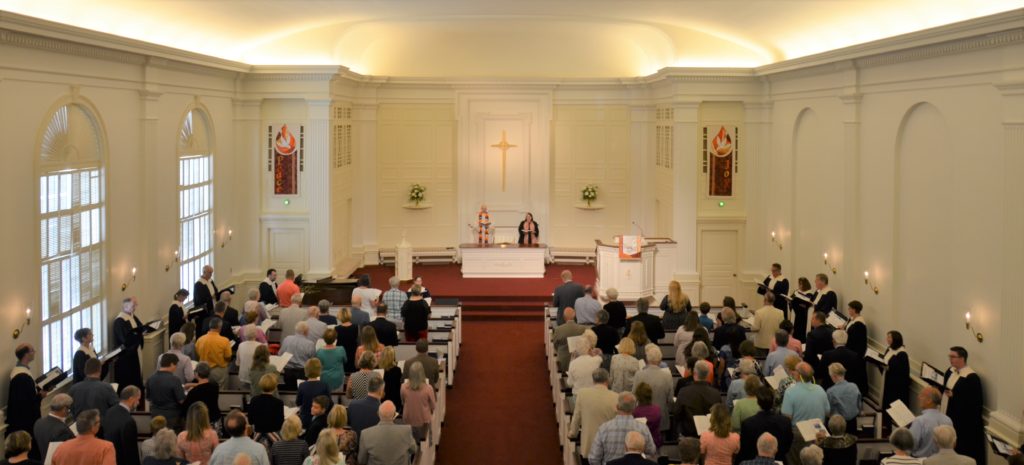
(721, 204)
(287, 202)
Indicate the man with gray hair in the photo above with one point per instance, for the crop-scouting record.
(767, 447)
(360, 317)
(929, 399)
(86, 449)
(594, 406)
(587, 306)
(362, 413)
(730, 334)
(302, 349)
(777, 357)
(53, 427)
(610, 441)
(119, 427)
(290, 315)
(325, 316)
(856, 368)
(652, 324)
(184, 368)
(565, 295)
(387, 443)
(746, 369)
(902, 443)
(844, 397)
(316, 327)
(945, 438)
(811, 455)
(659, 380)
(689, 451)
(803, 401)
(394, 298)
(695, 399)
(561, 334)
(607, 336)
(634, 451)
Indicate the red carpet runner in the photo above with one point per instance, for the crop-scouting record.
(500, 411)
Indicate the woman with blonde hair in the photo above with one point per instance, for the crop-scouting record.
(719, 444)
(16, 448)
(676, 305)
(368, 343)
(291, 449)
(419, 401)
(197, 442)
(348, 337)
(624, 366)
(392, 377)
(326, 452)
(638, 333)
(337, 423)
(333, 359)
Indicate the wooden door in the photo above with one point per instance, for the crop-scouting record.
(718, 265)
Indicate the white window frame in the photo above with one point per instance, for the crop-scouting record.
(195, 200)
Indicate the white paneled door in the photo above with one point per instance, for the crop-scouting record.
(718, 265)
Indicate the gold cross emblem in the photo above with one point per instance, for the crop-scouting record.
(503, 146)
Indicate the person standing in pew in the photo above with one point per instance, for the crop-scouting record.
(706, 321)
(309, 390)
(215, 350)
(197, 442)
(119, 427)
(766, 421)
(302, 349)
(856, 368)
(156, 424)
(695, 399)
(369, 344)
(261, 366)
(53, 427)
(766, 322)
(430, 366)
(325, 316)
(418, 401)
(610, 441)
(635, 446)
(266, 411)
(348, 337)
(676, 305)
(165, 393)
(315, 325)
(767, 450)
(362, 413)
(368, 296)
(588, 358)
(288, 316)
(746, 407)
(844, 397)
(804, 400)
(792, 343)
(333, 359)
(965, 403)
(387, 443)
(616, 311)
(220, 310)
(839, 446)
(801, 303)
(291, 449)
(778, 286)
(128, 331)
(652, 324)
(418, 281)
(730, 334)
(565, 296)
(719, 443)
(387, 331)
(623, 367)
(85, 351)
(650, 413)
(902, 443)
(17, 445)
(607, 336)
(930, 400)
(560, 337)
(344, 437)
(164, 445)
(206, 392)
(86, 449)
(594, 405)
(856, 329)
(360, 317)
(239, 444)
(392, 377)
(393, 299)
(91, 393)
(819, 339)
(268, 288)
(896, 385)
(779, 355)
(184, 370)
(825, 299)
(415, 313)
(684, 334)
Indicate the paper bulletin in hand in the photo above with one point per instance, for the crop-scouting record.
(900, 414)
(702, 422)
(777, 376)
(279, 361)
(809, 429)
(574, 343)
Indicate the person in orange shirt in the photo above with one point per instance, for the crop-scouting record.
(86, 449)
(287, 289)
(215, 350)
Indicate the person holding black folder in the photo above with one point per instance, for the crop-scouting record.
(856, 329)
(897, 372)
(778, 285)
(825, 299)
(176, 316)
(801, 304)
(205, 292)
(23, 395)
(964, 404)
(128, 331)
(85, 351)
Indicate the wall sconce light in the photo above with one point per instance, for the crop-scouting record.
(867, 281)
(831, 267)
(223, 243)
(776, 241)
(124, 285)
(177, 259)
(977, 335)
(28, 321)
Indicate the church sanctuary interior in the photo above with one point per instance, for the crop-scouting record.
(604, 232)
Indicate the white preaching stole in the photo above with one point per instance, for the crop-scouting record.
(772, 281)
(954, 377)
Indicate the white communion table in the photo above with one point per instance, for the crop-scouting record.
(503, 260)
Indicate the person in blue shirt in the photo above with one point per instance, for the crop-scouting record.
(844, 397)
(705, 318)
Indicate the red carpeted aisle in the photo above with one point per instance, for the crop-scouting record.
(500, 410)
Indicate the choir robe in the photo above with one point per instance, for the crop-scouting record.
(897, 378)
(205, 294)
(857, 339)
(127, 369)
(965, 409)
(23, 401)
(780, 288)
(825, 301)
(801, 306)
(176, 318)
(82, 355)
(268, 292)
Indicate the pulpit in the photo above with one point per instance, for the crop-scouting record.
(403, 260)
(644, 276)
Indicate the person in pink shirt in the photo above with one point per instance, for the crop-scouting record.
(86, 449)
(719, 444)
(287, 289)
(793, 344)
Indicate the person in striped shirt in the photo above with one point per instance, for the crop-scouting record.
(903, 444)
(394, 298)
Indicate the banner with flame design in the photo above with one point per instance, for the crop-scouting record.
(720, 155)
(285, 157)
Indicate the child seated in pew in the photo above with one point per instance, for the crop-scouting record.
(320, 406)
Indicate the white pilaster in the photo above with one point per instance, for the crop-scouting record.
(317, 171)
(684, 190)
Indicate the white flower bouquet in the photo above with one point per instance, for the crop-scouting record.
(417, 194)
(589, 193)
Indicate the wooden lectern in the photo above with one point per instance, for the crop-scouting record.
(649, 276)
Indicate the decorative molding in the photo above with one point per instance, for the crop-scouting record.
(952, 47)
(419, 206)
(20, 39)
(584, 206)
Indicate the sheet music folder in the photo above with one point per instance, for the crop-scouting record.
(51, 378)
(932, 375)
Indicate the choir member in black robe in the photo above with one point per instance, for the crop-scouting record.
(897, 372)
(779, 286)
(856, 329)
(801, 303)
(23, 396)
(128, 331)
(85, 351)
(176, 316)
(268, 288)
(964, 404)
(205, 292)
(529, 231)
(825, 299)
(856, 368)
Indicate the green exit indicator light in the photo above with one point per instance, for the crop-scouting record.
(287, 202)
(721, 204)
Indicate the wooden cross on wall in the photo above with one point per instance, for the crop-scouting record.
(503, 146)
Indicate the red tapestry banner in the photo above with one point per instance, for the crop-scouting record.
(286, 155)
(720, 159)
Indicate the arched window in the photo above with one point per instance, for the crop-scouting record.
(195, 197)
(72, 232)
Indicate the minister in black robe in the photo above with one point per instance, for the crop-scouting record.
(825, 299)
(268, 288)
(128, 331)
(529, 231)
(176, 316)
(23, 396)
(205, 292)
(801, 303)
(779, 286)
(856, 329)
(965, 405)
(897, 372)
